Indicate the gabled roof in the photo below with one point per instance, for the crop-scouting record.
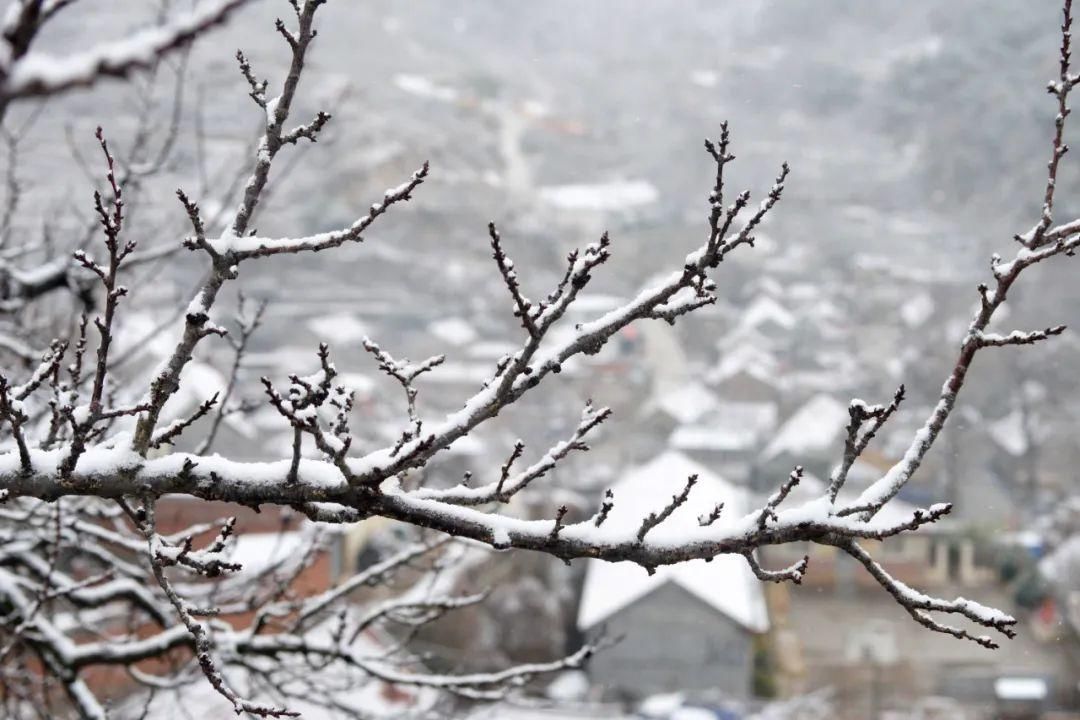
(812, 428)
(726, 583)
(742, 335)
(749, 358)
(734, 426)
(686, 402)
(1008, 432)
(765, 309)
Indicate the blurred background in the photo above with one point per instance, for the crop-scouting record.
(917, 134)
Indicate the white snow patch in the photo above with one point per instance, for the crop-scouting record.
(453, 330)
(421, 86)
(339, 328)
(917, 310)
(704, 78)
(257, 551)
(568, 686)
(1019, 688)
(615, 195)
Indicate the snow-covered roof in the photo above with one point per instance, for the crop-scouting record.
(338, 328)
(822, 380)
(686, 402)
(765, 309)
(1020, 688)
(491, 349)
(423, 87)
(748, 358)
(812, 428)
(453, 330)
(611, 196)
(940, 273)
(745, 335)
(734, 426)
(917, 310)
(286, 359)
(596, 304)
(716, 438)
(471, 373)
(1062, 566)
(726, 583)
(1008, 432)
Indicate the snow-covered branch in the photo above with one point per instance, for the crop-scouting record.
(78, 483)
(28, 74)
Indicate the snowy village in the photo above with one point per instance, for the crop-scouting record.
(576, 430)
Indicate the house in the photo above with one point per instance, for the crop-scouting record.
(746, 372)
(768, 317)
(728, 438)
(687, 627)
(594, 206)
(810, 437)
(671, 406)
